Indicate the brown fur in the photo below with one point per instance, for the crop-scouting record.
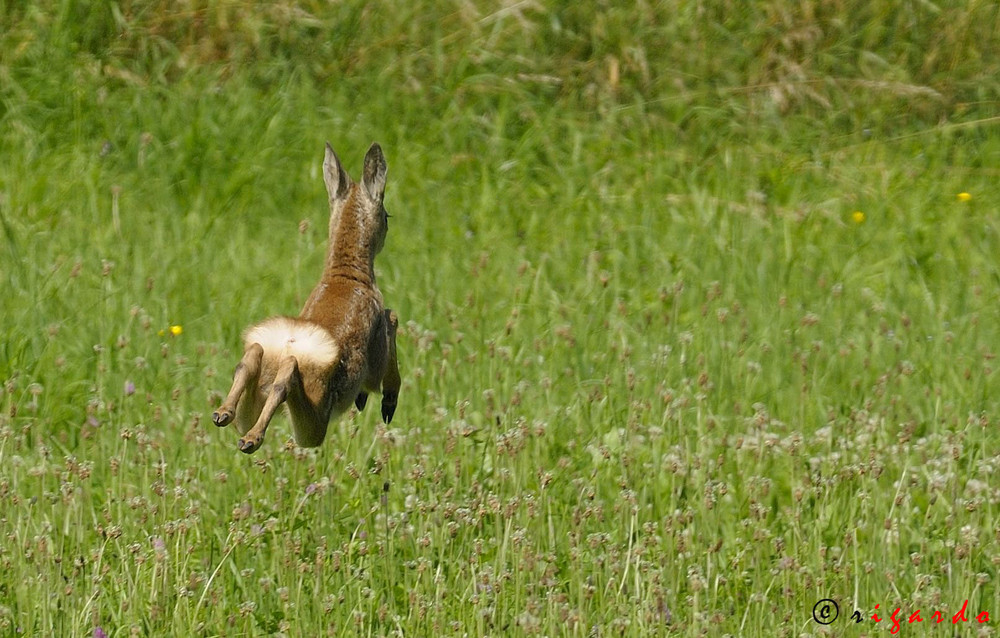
(343, 344)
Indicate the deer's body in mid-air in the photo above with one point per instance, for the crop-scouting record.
(343, 344)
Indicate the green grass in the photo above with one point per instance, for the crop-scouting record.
(658, 380)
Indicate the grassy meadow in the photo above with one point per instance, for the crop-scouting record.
(699, 317)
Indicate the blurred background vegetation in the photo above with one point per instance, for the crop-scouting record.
(885, 66)
(687, 286)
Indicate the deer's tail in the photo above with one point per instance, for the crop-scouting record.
(309, 343)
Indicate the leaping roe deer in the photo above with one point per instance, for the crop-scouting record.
(343, 344)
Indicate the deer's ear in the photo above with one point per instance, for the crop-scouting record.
(373, 177)
(334, 175)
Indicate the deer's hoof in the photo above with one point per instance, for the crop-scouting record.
(388, 408)
(361, 400)
(222, 417)
(248, 446)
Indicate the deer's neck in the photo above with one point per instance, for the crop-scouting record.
(348, 259)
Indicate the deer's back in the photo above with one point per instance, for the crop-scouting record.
(348, 309)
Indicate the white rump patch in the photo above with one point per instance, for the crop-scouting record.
(283, 336)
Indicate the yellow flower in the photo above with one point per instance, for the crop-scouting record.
(858, 217)
(176, 330)
(964, 197)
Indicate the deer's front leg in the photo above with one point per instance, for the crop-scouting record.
(391, 381)
(246, 374)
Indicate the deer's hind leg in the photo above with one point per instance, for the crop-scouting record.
(246, 375)
(287, 387)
